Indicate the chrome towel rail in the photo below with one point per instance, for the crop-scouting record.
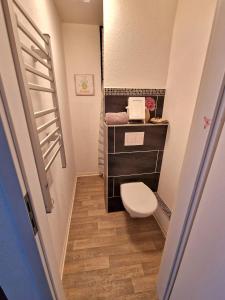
(46, 125)
(35, 56)
(44, 112)
(49, 137)
(38, 49)
(52, 159)
(38, 73)
(40, 88)
(51, 147)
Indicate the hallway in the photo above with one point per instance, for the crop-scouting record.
(109, 256)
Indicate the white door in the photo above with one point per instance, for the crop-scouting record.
(201, 275)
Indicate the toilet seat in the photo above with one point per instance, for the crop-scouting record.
(138, 199)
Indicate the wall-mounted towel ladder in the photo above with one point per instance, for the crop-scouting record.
(46, 145)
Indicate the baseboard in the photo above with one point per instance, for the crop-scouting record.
(160, 221)
(88, 174)
(163, 231)
(67, 230)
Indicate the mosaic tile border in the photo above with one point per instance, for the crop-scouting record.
(134, 92)
(163, 206)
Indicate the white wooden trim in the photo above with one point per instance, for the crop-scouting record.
(63, 257)
(88, 174)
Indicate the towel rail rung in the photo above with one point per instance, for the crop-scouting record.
(35, 56)
(52, 158)
(51, 147)
(49, 136)
(32, 38)
(38, 73)
(37, 87)
(44, 112)
(46, 125)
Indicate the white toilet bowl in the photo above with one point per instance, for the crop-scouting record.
(138, 199)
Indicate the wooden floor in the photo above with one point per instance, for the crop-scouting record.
(109, 256)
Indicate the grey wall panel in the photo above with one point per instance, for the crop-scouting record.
(110, 187)
(159, 108)
(132, 163)
(154, 137)
(159, 161)
(115, 204)
(111, 139)
(115, 103)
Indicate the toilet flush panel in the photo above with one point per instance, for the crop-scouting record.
(134, 138)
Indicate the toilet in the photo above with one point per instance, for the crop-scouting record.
(138, 199)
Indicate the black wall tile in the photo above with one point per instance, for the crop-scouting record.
(159, 162)
(154, 138)
(152, 114)
(131, 163)
(151, 180)
(110, 187)
(111, 139)
(115, 103)
(115, 204)
(160, 103)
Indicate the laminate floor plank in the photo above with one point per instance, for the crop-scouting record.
(95, 263)
(111, 291)
(103, 276)
(144, 284)
(109, 256)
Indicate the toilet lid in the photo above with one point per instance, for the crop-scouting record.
(138, 197)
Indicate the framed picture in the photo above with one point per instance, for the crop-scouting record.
(84, 84)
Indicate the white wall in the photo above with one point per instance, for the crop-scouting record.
(61, 181)
(137, 37)
(190, 40)
(82, 56)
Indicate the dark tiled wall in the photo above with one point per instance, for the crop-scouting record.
(133, 163)
(154, 138)
(116, 100)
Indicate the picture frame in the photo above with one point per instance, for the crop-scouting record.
(84, 84)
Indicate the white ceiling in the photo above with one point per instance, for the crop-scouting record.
(77, 11)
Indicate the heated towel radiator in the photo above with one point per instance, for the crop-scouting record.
(32, 56)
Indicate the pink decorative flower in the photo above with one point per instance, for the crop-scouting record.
(150, 103)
